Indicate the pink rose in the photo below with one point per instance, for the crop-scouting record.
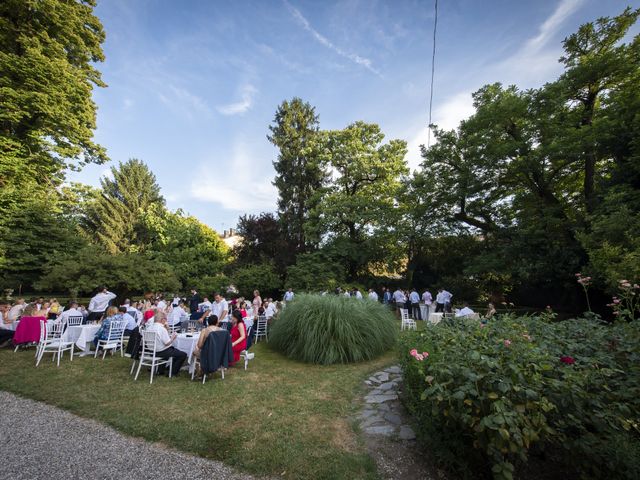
(425, 354)
(413, 352)
(507, 343)
(419, 357)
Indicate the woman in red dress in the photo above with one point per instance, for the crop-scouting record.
(238, 335)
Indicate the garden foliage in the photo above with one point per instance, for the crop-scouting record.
(494, 396)
(333, 329)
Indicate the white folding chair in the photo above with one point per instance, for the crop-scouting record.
(74, 320)
(407, 323)
(246, 354)
(51, 341)
(133, 357)
(148, 356)
(196, 364)
(113, 340)
(261, 328)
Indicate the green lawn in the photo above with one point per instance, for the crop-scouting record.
(280, 417)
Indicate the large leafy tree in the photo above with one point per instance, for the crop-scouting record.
(355, 209)
(262, 240)
(48, 52)
(529, 170)
(191, 248)
(299, 169)
(113, 221)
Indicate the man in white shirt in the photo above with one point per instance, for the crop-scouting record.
(220, 308)
(178, 315)
(161, 305)
(164, 349)
(399, 298)
(131, 321)
(447, 296)
(357, 293)
(427, 299)
(72, 311)
(414, 298)
(288, 296)
(270, 311)
(373, 295)
(464, 311)
(99, 304)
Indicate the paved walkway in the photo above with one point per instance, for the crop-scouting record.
(39, 441)
(389, 437)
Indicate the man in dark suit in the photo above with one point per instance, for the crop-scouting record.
(194, 301)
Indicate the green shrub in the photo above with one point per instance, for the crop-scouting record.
(485, 396)
(333, 329)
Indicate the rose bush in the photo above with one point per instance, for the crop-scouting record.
(489, 397)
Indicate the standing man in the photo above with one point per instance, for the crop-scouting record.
(386, 296)
(414, 298)
(220, 308)
(373, 295)
(288, 295)
(427, 299)
(447, 296)
(194, 301)
(99, 304)
(399, 299)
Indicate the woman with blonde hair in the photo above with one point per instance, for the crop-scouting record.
(257, 302)
(112, 314)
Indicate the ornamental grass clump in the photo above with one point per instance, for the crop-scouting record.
(333, 329)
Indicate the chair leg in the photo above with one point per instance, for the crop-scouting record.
(95, 355)
(153, 367)
(139, 366)
(204, 378)
(72, 345)
(16, 349)
(59, 355)
(170, 367)
(104, 353)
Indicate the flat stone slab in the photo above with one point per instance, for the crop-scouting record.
(393, 418)
(393, 369)
(374, 380)
(382, 376)
(388, 386)
(386, 430)
(406, 433)
(380, 398)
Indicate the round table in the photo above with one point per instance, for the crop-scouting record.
(82, 336)
(187, 342)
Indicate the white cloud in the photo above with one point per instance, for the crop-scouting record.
(551, 25)
(181, 100)
(238, 108)
(237, 185)
(362, 61)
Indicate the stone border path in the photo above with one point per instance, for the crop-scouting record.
(389, 437)
(43, 442)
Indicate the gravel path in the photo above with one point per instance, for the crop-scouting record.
(39, 441)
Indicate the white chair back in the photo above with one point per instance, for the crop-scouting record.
(74, 320)
(53, 330)
(149, 343)
(116, 330)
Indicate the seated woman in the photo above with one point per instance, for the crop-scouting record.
(103, 332)
(491, 311)
(212, 326)
(238, 335)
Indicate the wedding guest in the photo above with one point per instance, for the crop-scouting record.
(72, 311)
(178, 315)
(194, 301)
(386, 295)
(205, 305)
(373, 295)
(238, 335)
(164, 349)
(427, 299)
(132, 322)
(414, 298)
(399, 298)
(99, 304)
(447, 296)
(161, 305)
(54, 309)
(491, 311)
(288, 296)
(212, 326)
(257, 302)
(6, 325)
(43, 311)
(16, 311)
(111, 315)
(464, 311)
(440, 300)
(220, 308)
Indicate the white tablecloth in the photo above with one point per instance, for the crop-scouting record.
(435, 317)
(81, 335)
(187, 345)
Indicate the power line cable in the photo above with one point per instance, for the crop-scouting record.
(433, 70)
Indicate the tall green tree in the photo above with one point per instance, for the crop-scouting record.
(299, 169)
(354, 211)
(114, 220)
(48, 53)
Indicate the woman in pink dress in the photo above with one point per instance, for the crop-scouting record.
(257, 302)
(238, 335)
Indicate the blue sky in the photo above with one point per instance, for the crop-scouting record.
(193, 85)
